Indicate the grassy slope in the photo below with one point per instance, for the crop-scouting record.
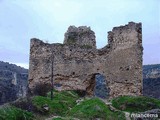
(64, 104)
(94, 108)
(135, 104)
(61, 102)
(13, 113)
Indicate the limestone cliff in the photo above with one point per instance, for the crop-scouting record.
(151, 80)
(13, 82)
(76, 62)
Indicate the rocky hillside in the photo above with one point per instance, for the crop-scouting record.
(13, 82)
(151, 80)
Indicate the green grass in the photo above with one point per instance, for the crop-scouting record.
(71, 41)
(65, 94)
(94, 108)
(63, 118)
(135, 104)
(64, 105)
(57, 119)
(62, 101)
(67, 97)
(86, 46)
(13, 113)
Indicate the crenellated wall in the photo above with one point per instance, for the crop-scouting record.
(77, 61)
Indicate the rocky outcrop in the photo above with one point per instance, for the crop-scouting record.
(151, 71)
(151, 80)
(75, 63)
(13, 82)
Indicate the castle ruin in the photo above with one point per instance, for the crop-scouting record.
(77, 61)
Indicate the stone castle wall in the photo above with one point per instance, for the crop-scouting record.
(76, 62)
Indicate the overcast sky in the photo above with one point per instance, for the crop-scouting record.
(21, 20)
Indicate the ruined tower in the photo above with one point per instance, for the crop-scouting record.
(77, 62)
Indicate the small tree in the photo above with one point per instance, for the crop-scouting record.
(41, 89)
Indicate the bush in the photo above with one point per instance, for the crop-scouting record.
(81, 93)
(13, 113)
(41, 89)
(24, 104)
(135, 104)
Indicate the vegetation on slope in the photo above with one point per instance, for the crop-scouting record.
(135, 104)
(61, 102)
(13, 113)
(5, 66)
(94, 108)
(150, 67)
(64, 105)
(12, 79)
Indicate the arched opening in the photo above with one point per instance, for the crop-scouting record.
(98, 86)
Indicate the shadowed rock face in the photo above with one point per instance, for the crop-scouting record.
(151, 80)
(13, 82)
(77, 60)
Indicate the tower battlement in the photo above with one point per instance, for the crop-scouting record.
(82, 35)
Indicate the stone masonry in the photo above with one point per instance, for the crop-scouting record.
(76, 62)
